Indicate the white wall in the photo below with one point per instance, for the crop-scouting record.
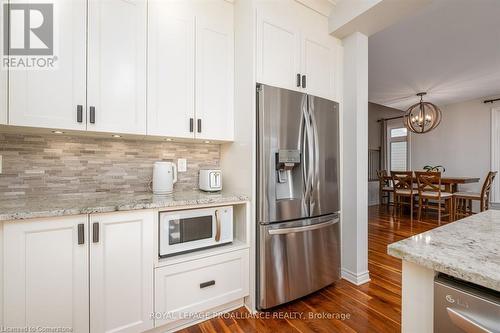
(376, 112)
(461, 143)
(354, 191)
(238, 158)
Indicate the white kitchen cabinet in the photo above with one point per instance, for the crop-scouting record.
(214, 70)
(171, 71)
(278, 45)
(201, 285)
(116, 66)
(121, 271)
(50, 98)
(294, 49)
(318, 57)
(191, 69)
(45, 273)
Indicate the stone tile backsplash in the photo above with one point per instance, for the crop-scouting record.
(46, 165)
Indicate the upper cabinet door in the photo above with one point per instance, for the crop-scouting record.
(319, 54)
(50, 97)
(117, 66)
(171, 67)
(318, 57)
(46, 273)
(121, 271)
(278, 45)
(214, 70)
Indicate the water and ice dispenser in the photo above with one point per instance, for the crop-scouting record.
(288, 178)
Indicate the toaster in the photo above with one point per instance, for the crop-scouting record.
(210, 180)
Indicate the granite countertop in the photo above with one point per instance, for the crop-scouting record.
(75, 204)
(468, 249)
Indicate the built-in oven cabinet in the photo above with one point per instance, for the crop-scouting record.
(199, 286)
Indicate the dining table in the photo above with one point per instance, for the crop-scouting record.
(450, 183)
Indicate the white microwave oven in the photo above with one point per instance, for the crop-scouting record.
(191, 230)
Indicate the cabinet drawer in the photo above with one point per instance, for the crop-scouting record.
(200, 285)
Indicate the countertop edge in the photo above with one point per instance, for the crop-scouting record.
(459, 273)
(59, 212)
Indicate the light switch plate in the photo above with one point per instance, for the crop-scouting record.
(181, 165)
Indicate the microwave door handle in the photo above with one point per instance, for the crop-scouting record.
(466, 324)
(217, 226)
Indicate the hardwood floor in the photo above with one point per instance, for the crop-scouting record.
(372, 307)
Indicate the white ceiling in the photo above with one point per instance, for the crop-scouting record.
(450, 49)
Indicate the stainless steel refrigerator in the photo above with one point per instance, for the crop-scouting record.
(298, 229)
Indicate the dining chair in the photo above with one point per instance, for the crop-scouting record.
(462, 201)
(403, 188)
(384, 188)
(430, 190)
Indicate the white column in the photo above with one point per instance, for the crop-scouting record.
(354, 205)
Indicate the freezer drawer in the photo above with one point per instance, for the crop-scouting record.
(297, 258)
(461, 307)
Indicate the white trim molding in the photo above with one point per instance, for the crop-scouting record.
(357, 279)
(495, 151)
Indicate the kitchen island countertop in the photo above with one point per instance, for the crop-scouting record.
(103, 202)
(468, 249)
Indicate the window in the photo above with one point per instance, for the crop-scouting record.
(398, 156)
(399, 132)
(397, 147)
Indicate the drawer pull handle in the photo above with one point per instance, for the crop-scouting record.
(207, 284)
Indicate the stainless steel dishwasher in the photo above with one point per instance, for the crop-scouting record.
(463, 307)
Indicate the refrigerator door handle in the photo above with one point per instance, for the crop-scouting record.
(307, 150)
(315, 159)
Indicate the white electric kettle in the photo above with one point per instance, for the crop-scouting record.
(164, 177)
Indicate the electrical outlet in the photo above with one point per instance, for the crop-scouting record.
(181, 165)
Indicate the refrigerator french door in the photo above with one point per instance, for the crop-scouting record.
(297, 195)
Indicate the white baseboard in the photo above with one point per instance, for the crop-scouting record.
(495, 205)
(357, 279)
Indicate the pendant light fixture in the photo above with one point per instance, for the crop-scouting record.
(422, 117)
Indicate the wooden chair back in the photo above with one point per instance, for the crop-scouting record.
(382, 178)
(428, 181)
(485, 191)
(402, 180)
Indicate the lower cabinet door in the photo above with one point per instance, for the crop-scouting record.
(121, 271)
(185, 292)
(46, 274)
